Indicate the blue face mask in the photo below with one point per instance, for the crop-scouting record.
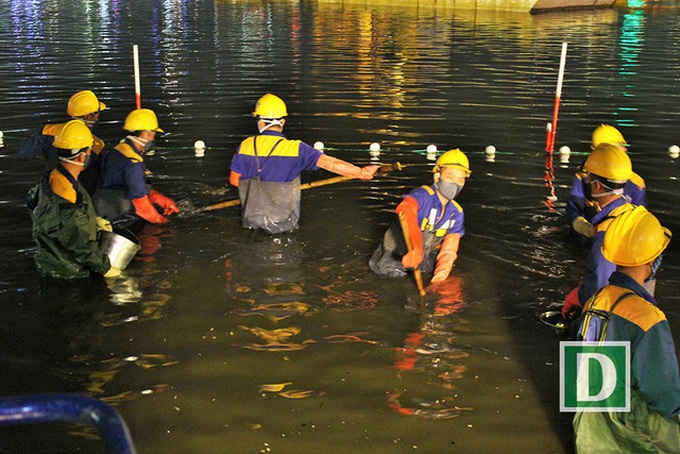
(448, 190)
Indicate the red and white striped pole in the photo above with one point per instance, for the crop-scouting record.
(138, 91)
(551, 129)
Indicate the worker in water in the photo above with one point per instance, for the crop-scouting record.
(65, 223)
(435, 224)
(266, 169)
(579, 211)
(624, 311)
(84, 106)
(607, 169)
(124, 196)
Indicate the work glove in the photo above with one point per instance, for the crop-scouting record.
(145, 210)
(446, 257)
(104, 225)
(572, 306)
(165, 203)
(112, 272)
(582, 226)
(234, 178)
(408, 209)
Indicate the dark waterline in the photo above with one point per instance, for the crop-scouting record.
(216, 342)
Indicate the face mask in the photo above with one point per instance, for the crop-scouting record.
(655, 267)
(92, 124)
(87, 161)
(588, 191)
(449, 190)
(149, 145)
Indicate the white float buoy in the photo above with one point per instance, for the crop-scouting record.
(199, 148)
(374, 149)
(565, 151)
(2, 143)
(673, 151)
(431, 152)
(490, 152)
(318, 145)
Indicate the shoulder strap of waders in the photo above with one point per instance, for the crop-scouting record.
(257, 157)
(601, 314)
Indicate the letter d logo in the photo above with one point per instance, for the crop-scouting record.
(594, 377)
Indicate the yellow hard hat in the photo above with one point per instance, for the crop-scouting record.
(634, 238)
(141, 120)
(83, 103)
(607, 134)
(72, 137)
(453, 158)
(270, 106)
(610, 162)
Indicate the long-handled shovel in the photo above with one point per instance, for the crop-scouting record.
(312, 184)
(409, 246)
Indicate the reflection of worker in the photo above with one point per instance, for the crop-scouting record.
(84, 106)
(435, 223)
(431, 352)
(266, 169)
(607, 169)
(65, 223)
(624, 311)
(124, 195)
(579, 210)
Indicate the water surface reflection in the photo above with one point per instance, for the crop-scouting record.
(215, 340)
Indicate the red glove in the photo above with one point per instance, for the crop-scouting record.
(447, 255)
(145, 210)
(572, 306)
(166, 203)
(408, 208)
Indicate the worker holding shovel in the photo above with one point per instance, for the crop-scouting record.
(431, 226)
(266, 169)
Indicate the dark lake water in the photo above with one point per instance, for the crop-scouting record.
(215, 342)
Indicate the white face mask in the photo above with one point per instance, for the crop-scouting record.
(144, 144)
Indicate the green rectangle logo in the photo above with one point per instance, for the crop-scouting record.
(594, 377)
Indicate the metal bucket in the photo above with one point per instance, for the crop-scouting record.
(121, 246)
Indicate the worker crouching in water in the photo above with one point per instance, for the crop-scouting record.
(435, 223)
(624, 311)
(65, 223)
(124, 195)
(266, 169)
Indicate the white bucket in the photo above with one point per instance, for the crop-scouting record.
(121, 246)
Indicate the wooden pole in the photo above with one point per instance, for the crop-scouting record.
(312, 184)
(409, 246)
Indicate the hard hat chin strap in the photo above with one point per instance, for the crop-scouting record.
(71, 161)
(608, 193)
(269, 123)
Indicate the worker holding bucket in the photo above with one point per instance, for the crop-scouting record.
(65, 223)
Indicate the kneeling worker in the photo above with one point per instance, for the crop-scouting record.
(435, 223)
(65, 223)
